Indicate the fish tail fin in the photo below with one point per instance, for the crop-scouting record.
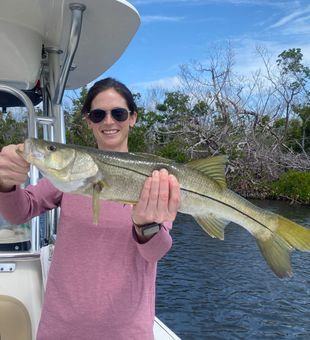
(283, 236)
(276, 249)
(276, 252)
(294, 234)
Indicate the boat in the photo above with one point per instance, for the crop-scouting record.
(48, 47)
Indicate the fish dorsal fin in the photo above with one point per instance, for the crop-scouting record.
(214, 167)
(212, 225)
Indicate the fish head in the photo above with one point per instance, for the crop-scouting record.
(66, 167)
(47, 155)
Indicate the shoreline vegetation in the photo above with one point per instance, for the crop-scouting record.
(261, 122)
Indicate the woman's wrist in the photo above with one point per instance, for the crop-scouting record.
(145, 232)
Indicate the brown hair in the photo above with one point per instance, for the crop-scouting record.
(105, 84)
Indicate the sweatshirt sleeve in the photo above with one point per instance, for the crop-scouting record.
(154, 249)
(20, 205)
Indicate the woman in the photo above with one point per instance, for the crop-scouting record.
(101, 283)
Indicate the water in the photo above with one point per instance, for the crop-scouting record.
(211, 289)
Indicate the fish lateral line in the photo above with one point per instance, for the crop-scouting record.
(227, 205)
(157, 167)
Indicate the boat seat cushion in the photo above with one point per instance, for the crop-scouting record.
(15, 321)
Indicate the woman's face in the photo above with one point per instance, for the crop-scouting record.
(110, 134)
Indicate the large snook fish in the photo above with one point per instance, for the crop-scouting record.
(120, 176)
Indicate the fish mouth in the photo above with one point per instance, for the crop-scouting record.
(30, 152)
(27, 147)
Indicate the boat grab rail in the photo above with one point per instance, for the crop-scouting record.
(33, 120)
(19, 255)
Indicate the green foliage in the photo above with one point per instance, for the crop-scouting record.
(175, 151)
(153, 131)
(290, 61)
(265, 120)
(298, 131)
(11, 130)
(304, 131)
(294, 185)
(294, 135)
(200, 108)
(79, 101)
(136, 140)
(290, 64)
(279, 123)
(174, 108)
(77, 131)
(175, 102)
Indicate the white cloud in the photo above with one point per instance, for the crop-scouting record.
(297, 22)
(207, 2)
(146, 19)
(169, 83)
(300, 13)
(247, 59)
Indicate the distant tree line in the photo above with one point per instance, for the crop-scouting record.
(261, 122)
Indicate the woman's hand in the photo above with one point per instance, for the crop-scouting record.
(13, 168)
(160, 199)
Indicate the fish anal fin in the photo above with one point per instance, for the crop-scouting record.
(214, 167)
(212, 225)
(277, 254)
(97, 188)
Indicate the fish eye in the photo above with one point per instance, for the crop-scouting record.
(52, 148)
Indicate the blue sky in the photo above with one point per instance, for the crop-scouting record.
(175, 32)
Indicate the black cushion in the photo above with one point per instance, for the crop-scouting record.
(9, 100)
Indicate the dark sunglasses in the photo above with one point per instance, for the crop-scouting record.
(97, 115)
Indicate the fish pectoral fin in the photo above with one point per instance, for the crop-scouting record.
(276, 252)
(97, 188)
(212, 225)
(214, 167)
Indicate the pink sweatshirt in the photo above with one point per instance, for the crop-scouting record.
(101, 283)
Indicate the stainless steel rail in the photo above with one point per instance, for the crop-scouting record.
(53, 117)
(32, 127)
(18, 255)
(34, 173)
(73, 41)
